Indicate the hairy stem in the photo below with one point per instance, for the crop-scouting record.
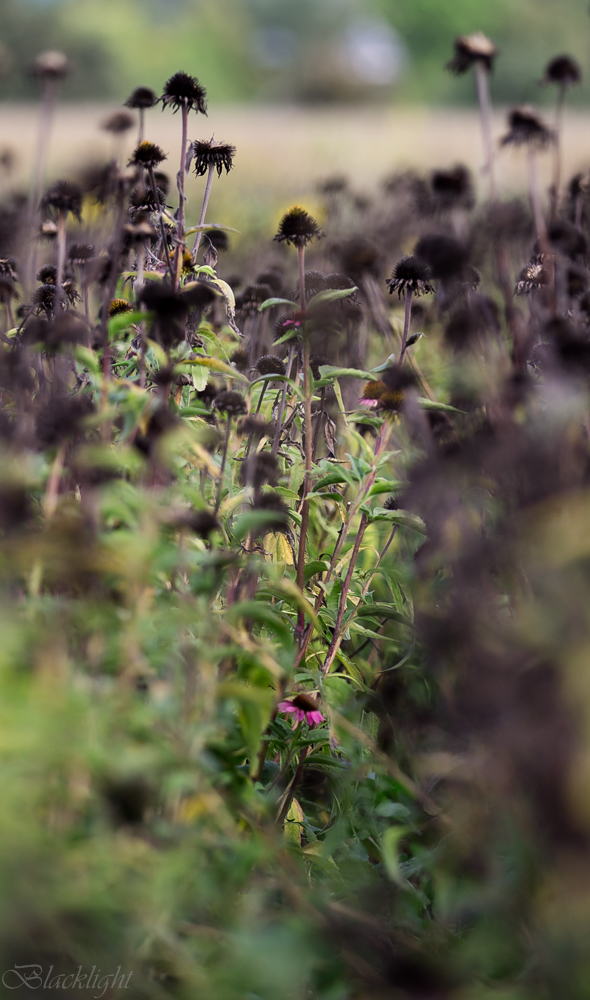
(483, 97)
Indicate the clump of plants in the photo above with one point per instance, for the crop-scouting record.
(295, 581)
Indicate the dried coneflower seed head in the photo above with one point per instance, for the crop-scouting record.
(7, 289)
(239, 359)
(47, 274)
(142, 200)
(118, 306)
(80, 254)
(410, 274)
(231, 403)
(525, 127)
(270, 364)
(391, 504)
(534, 275)
(209, 153)
(298, 228)
(453, 188)
(276, 509)
(118, 123)
(562, 70)
(470, 49)
(182, 90)
(445, 256)
(567, 239)
(202, 522)
(142, 97)
(217, 238)
(51, 65)
(44, 297)
(255, 425)
(63, 196)
(359, 257)
(260, 468)
(147, 154)
(8, 266)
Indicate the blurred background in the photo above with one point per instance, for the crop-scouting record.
(306, 90)
(279, 50)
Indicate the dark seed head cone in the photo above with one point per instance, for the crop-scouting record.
(47, 274)
(231, 403)
(270, 364)
(239, 359)
(202, 522)
(410, 274)
(470, 49)
(216, 238)
(298, 228)
(117, 307)
(276, 509)
(259, 469)
(452, 189)
(562, 70)
(182, 90)
(118, 123)
(80, 254)
(209, 153)
(63, 196)
(534, 275)
(358, 257)
(142, 97)
(526, 127)
(147, 154)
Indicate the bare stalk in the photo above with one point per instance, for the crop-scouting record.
(181, 199)
(483, 97)
(535, 199)
(277, 437)
(138, 285)
(407, 318)
(223, 461)
(48, 102)
(204, 206)
(160, 219)
(338, 631)
(61, 257)
(308, 445)
(557, 150)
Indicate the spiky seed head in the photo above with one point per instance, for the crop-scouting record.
(80, 254)
(391, 504)
(277, 510)
(182, 90)
(231, 403)
(142, 97)
(410, 274)
(526, 127)
(118, 306)
(118, 123)
(270, 364)
(209, 153)
(239, 359)
(298, 228)
(51, 65)
(47, 274)
(147, 154)
(470, 49)
(254, 424)
(260, 468)
(453, 188)
(63, 196)
(202, 522)
(562, 70)
(534, 275)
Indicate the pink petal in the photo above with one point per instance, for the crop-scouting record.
(371, 403)
(299, 715)
(314, 718)
(287, 706)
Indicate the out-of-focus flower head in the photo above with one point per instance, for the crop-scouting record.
(526, 127)
(63, 196)
(298, 228)
(410, 274)
(51, 65)
(209, 153)
(147, 155)
(142, 97)
(303, 708)
(118, 123)
(471, 49)
(562, 70)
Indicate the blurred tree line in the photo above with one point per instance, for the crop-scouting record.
(279, 50)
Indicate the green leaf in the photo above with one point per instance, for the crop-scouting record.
(431, 404)
(314, 567)
(209, 225)
(332, 371)
(269, 303)
(262, 614)
(123, 321)
(200, 377)
(385, 486)
(390, 841)
(383, 611)
(216, 365)
(330, 295)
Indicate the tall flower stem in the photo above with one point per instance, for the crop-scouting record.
(483, 97)
(338, 632)
(204, 207)
(61, 257)
(308, 432)
(160, 219)
(281, 413)
(407, 318)
(181, 198)
(48, 102)
(251, 434)
(557, 150)
(223, 461)
(138, 286)
(535, 199)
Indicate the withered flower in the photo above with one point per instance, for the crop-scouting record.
(202, 522)
(258, 469)
(298, 228)
(525, 127)
(470, 49)
(147, 155)
(51, 65)
(239, 359)
(453, 188)
(410, 274)
(63, 196)
(276, 510)
(231, 403)
(209, 153)
(182, 90)
(534, 275)
(47, 274)
(270, 364)
(142, 97)
(562, 70)
(80, 254)
(8, 267)
(118, 123)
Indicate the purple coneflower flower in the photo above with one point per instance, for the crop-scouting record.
(303, 708)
